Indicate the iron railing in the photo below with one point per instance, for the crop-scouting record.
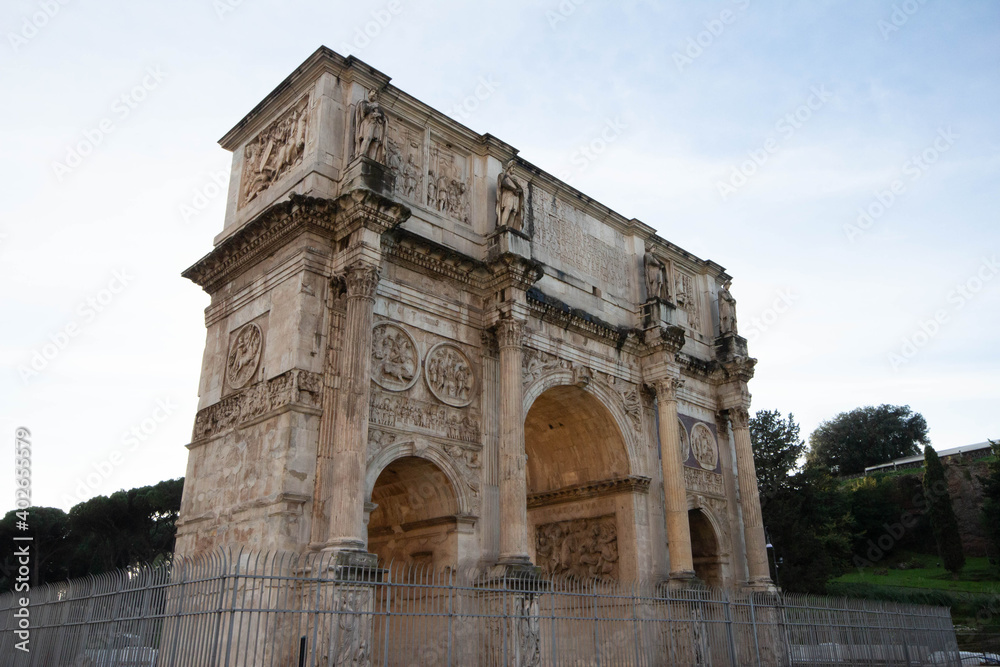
(241, 609)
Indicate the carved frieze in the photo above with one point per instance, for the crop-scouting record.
(685, 295)
(703, 481)
(704, 447)
(447, 184)
(405, 156)
(449, 375)
(275, 151)
(294, 386)
(535, 364)
(580, 548)
(394, 357)
(434, 418)
(244, 355)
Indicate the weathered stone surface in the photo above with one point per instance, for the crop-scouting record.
(421, 346)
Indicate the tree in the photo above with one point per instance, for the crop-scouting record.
(776, 450)
(991, 504)
(866, 436)
(940, 512)
(810, 525)
(50, 545)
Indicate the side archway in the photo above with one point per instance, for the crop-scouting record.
(418, 514)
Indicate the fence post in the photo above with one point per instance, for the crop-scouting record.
(593, 607)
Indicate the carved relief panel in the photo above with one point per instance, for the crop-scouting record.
(700, 444)
(448, 183)
(275, 151)
(405, 155)
(449, 375)
(582, 548)
(243, 358)
(395, 362)
(686, 297)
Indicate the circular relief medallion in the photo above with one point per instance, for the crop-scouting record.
(394, 357)
(244, 355)
(685, 442)
(703, 444)
(449, 375)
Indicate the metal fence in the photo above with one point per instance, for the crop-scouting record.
(242, 609)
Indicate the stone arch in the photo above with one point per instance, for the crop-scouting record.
(465, 489)
(583, 491)
(707, 543)
(610, 399)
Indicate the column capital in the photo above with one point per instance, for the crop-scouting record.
(666, 388)
(362, 280)
(510, 333)
(740, 417)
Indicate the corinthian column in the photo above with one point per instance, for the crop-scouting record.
(674, 490)
(758, 574)
(347, 506)
(513, 483)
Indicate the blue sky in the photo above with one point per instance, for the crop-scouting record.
(841, 103)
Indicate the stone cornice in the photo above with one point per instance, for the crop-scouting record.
(549, 309)
(276, 225)
(740, 369)
(408, 249)
(607, 487)
(695, 367)
(669, 339)
(510, 270)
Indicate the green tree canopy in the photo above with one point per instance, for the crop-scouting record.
(100, 534)
(776, 450)
(866, 436)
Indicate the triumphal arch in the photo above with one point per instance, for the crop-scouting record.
(424, 348)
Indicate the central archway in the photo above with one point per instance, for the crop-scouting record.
(581, 495)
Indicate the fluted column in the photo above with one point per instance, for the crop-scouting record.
(758, 573)
(674, 489)
(513, 481)
(347, 511)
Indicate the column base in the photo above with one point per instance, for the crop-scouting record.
(760, 585)
(520, 572)
(681, 579)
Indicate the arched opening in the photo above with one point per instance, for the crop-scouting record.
(705, 549)
(415, 515)
(579, 497)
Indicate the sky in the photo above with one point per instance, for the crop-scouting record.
(840, 159)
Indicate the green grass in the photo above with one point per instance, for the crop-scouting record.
(976, 577)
